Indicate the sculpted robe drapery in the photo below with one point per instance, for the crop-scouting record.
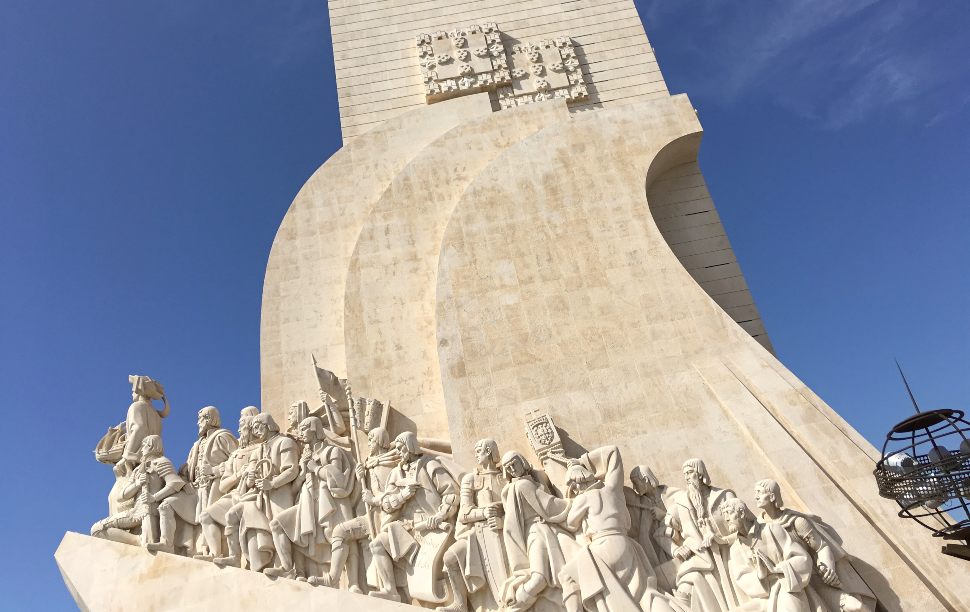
(705, 572)
(142, 420)
(611, 572)
(325, 500)
(273, 457)
(434, 485)
(212, 449)
(787, 591)
(533, 538)
(816, 536)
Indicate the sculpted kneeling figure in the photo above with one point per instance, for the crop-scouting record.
(159, 493)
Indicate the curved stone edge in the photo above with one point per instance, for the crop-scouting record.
(390, 296)
(105, 576)
(725, 385)
(302, 307)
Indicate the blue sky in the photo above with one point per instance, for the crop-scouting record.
(148, 151)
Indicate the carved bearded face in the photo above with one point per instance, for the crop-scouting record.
(259, 429)
(692, 477)
(293, 416)
(373, 444)
(245, 430)
(203, 421)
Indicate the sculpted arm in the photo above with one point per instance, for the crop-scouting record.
(173, 482)
(289, 465)
(230, 478)
(339, 475)
(448, 490)
(468, 512)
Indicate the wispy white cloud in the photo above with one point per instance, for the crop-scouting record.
(833, 61)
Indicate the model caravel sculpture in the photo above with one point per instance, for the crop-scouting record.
(402, 521)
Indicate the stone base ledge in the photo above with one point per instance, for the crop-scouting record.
(105, 576)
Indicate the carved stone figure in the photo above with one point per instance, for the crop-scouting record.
(294, 416)
(420, 498)
(699, 533)
(143, 419)
(610, 572)
(475, 564)
(159, 494)
(533, 539)
(230, 475)
(273, 465)
(372, 473)
(835, 580)
(207, 457)
(771, 569)
(645, 501)
(327, 483)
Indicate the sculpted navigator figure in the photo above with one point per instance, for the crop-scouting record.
(645, 501)
(142, 419)
(228, 480)
(267, 491)
(770, 567)
(533, 539)
(327, 483)
(420, 498)
(610, 573)
(698, 530)
(835, 580)
(372, 473)
(207, 457)
(477, 558)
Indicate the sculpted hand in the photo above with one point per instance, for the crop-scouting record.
(433, 522)
(658, 513)
(207, 470)
(829, 576)
(264, 484)
(368, 498)
(683, 552)
(359, 471)
(410, 490)
(142, 479)
(494, 511)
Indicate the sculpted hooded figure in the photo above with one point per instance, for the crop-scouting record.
(533, 539)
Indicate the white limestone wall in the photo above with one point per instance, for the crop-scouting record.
(379, 77)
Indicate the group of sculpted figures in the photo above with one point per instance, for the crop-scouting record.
(406, 523)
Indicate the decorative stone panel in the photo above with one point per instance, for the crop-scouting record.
(541, 71)
(462, 61)
(475, 59)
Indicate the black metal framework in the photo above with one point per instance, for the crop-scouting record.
(925, 468)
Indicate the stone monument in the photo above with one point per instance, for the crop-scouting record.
(542, 381)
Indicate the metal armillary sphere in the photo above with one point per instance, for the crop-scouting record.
(925, 468)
